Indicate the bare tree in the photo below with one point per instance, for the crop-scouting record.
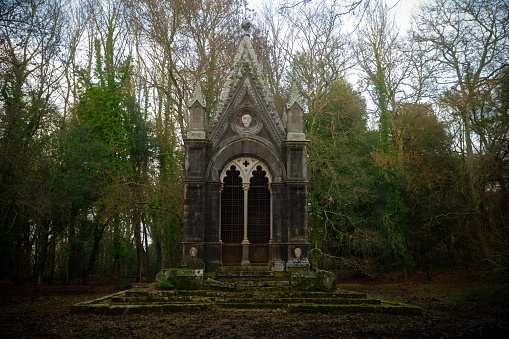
(469, 41)
(30, 70)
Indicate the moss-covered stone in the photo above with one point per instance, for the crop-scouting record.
(303, 280)
(219, 284)
(313, 280)
(165, 285)
(304, 295)
(326, 281)
(180, 278)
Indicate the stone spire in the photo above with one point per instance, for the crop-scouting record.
(295, 97)
(197, 118)
(245, 62)
(295, 116)
(197, 95)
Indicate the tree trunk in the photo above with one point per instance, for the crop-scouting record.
(115, 265)
(147, 270)
(139, 244)
(73, 249)
(52, 260)
(98, 234)
(41, 265)
(469, 159)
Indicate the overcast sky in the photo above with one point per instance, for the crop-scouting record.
(401, 8)
(403, 11)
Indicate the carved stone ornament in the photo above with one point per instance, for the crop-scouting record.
(246, 166)
(246, 123)
(298, 252)
(246, 120)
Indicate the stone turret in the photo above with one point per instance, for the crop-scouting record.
(295, 116)
(197, 114)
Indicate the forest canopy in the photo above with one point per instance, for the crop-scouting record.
(409, 130)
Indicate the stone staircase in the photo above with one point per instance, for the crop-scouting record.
(254, 276)
(233, 288)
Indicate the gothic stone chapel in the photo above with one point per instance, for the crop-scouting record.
(245, 176)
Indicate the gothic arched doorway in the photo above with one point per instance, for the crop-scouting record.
(245, 212)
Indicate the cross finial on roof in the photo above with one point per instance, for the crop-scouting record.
(246, 25)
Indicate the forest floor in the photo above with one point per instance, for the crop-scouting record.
(455, 305)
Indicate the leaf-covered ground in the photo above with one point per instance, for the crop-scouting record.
(456, 305)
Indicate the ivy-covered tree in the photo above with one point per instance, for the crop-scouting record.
(108, 110)
(384, 65)
(30, 41)
(343, 182)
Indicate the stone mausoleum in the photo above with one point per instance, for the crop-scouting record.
(245, 176)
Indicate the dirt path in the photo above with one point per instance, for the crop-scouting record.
(445, 316)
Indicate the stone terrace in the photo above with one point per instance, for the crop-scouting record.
(244, 289)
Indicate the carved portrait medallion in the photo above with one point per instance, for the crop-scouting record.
(246, 122)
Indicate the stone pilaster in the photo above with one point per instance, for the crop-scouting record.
(193, 236)
(297, 227)
(213, 245)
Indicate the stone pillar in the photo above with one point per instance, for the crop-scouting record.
(277, 246)
(297, 204)
(212, 235)
(245, 241)
(193, 236)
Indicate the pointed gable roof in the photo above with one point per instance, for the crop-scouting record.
(245, 61)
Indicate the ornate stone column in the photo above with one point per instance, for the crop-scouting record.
(245, 241)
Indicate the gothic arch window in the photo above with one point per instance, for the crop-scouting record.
(246, 213)
(232, 207)
(258, 220)
(246, 166)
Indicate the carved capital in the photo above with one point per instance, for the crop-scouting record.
(245, 186)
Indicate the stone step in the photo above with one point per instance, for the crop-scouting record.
(219, 284)
(115, 309)
(244, 268)
(240, 300)
(148, 293)
(286, 301)
(262, 283)
(239, 274)
(274, 292)
(271, 295)
(304, 294)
